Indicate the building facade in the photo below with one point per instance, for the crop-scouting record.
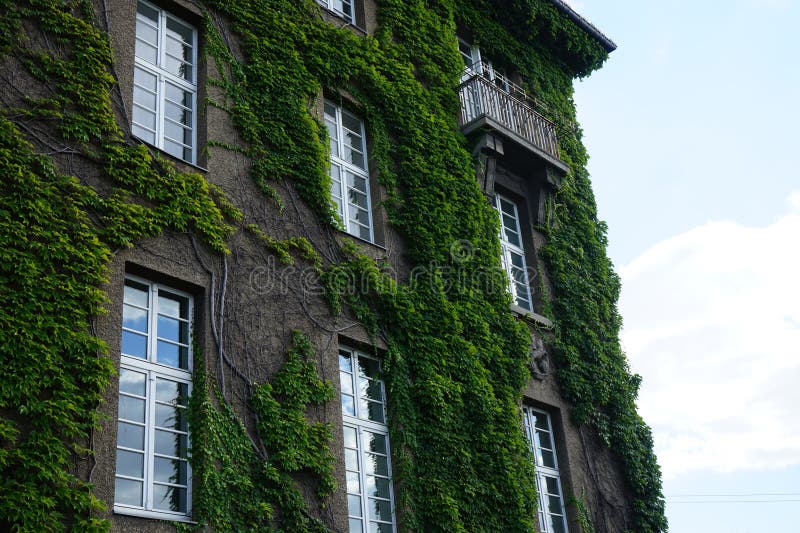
(281, 195)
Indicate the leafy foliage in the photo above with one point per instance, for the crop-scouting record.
(243, 487)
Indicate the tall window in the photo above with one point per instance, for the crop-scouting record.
(513, 253)
(343, 8)
(370, 500)
(165, 82)
(552, 518)
(349, 174)
(153, 477)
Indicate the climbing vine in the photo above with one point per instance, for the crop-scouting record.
(244, 485)
(456, 360)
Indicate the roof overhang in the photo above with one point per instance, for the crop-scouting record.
(585, 25)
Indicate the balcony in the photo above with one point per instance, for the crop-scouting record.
(489, 100)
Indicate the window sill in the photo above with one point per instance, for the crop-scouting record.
(375, 248)
(340, 17)
(531, 317)
(157, 515)
(170, 156)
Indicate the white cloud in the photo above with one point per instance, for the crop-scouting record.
(794, 200)
(712, 322)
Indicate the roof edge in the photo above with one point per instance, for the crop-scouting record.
(590, 28)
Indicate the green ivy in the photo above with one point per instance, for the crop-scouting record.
(241, 486)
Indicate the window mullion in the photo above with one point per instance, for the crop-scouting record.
(363, 476)
(343, 177)
(149, 441)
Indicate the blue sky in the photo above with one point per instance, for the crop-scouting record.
(692, 128)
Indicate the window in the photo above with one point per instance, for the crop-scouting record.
(153, 476)
(343, 8)
(165, 82)
(513, 253)
(474, 64)
(552, 518)
(349, 174)
(370, 501)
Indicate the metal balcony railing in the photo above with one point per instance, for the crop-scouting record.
(505, 105)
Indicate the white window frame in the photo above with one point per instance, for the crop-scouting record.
(507, 248)
(361, 424)
(163, 77)
(534, 434)
(336, 134)
(337, 6)
(155, 370)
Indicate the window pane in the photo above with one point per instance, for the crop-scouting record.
(552, 485)
(128, 492)
(351, 460)
(378, 486)
(354, 125)
(350, 437)
(375, 442)
(353, 483)
(557, 523)
(179, 95)
(333, 137)
(548, 459)
(177, 150)
(357, 182)
(353, 505)
(348, 405)
(178, 68)
(147, 12)
(376, 413)
(143, 134)
(346, 382)
(369, 368)
(134, 318)
(554, 504)
(362, 231)
(330, 111)
(358, 199)
(178, 113)
(169, 498)
(380, 528)
(130, 436)
(371, 389)
(143, 50)
(376, 464)
(146, 80)
(144, 118)
(543, 440)
(170, 471)
(132, 382)
(355, 526)
(540, 421)
(354, 157)
(144, 98)
(380, 510)
(170, 328)
(168, 354)
(169, 391)
(169, 443)
(170, 417)
(131, 409)
(130, 464)
(175, 131)
(134, 344)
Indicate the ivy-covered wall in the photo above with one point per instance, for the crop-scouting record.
(77, 189)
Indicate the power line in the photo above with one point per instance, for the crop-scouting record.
(735, 501)
(748, 494)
